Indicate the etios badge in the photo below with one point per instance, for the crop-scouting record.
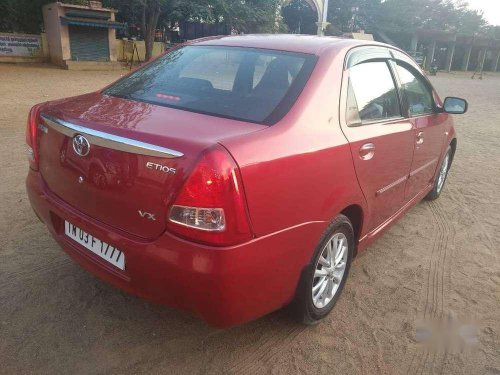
(159, 167)
(81, 145)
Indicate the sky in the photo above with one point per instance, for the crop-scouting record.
(491, 9)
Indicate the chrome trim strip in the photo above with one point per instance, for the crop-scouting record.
(403, 179)
(420, 169)
(388, 187)
(111, 141)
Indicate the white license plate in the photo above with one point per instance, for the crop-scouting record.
(98, 247)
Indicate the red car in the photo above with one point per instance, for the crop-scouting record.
(235, 175)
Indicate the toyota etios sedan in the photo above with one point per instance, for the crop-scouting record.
(235, 175)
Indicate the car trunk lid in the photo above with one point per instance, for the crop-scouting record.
(122, 162)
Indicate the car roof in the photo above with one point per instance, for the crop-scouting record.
(310, 44)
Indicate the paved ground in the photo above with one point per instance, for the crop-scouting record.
(440, 263)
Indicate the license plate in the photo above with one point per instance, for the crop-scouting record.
(98, 247)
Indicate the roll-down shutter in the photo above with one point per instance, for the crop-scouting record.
(88, 43)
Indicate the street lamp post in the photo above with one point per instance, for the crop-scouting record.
(322, 24)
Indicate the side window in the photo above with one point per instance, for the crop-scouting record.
(372, 94)
(419, 96)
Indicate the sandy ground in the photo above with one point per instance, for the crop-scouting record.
(441, 262)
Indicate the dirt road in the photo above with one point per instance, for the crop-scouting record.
(441, 262)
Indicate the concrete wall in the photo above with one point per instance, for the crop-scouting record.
(41, 55)
(113, 43)
(45, 47)
(57, 49)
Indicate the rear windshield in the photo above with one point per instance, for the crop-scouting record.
(247, 84)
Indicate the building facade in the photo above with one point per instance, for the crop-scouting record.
(81, 33)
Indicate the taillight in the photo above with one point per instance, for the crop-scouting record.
(211, 206)
(31, 137)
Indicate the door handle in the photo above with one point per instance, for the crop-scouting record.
(420, 138)
(367, 151)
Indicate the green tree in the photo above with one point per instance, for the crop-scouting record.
(248, 16)
(406, 16)
(25, 16)
(300, 17)
(151, 10)
(493, 31)
(399, 17)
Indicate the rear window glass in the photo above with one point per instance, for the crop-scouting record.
(242, 83)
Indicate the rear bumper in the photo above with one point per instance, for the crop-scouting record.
(224, 286)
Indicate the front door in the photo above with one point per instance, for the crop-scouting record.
(381, 139)
(428, 128)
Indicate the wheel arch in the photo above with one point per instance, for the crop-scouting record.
(453, 145)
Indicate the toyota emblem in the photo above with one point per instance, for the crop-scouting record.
(81, 145)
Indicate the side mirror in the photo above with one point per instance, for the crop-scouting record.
(455, 106)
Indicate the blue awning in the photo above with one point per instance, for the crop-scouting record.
(93, 23)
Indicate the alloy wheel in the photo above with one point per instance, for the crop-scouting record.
(443, 172)
(329, 270)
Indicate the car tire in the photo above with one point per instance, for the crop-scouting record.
(309, 307)
(442, 176)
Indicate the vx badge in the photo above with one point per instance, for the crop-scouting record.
(147, 215)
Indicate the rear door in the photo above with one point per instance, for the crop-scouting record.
(381, 139)
(428, 127)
